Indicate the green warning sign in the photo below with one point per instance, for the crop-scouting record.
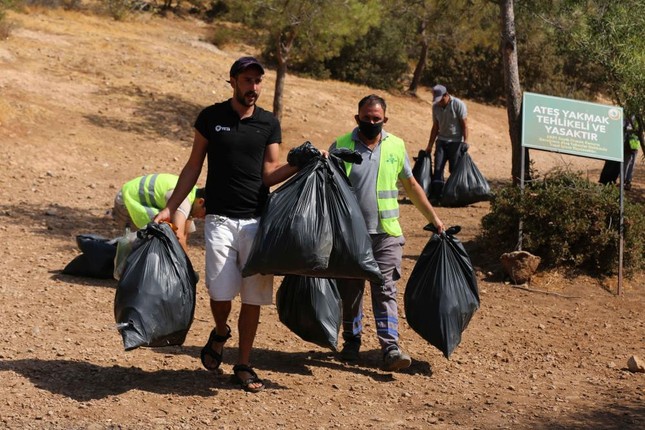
(572, 127)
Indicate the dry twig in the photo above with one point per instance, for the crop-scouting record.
(533, 290)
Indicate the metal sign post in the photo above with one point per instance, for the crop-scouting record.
(621, 229)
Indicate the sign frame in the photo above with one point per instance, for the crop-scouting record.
(574, 127)
(578, 128)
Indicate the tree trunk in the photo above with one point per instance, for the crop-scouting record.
(512, 87)
(280, 77)
(283, 47)
(423, 56)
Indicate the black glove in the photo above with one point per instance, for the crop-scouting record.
(301, 155)
(347, 155)
(450, 230)
(464, 147)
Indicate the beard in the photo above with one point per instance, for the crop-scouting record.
(248, 98)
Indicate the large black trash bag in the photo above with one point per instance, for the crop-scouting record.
(441, 295)
(466, 185)
(312, 226)
(295, 234)
(610, 172)
(96, 260)
(155, 298)
(311, 308)
(352, 255)
(422, 171)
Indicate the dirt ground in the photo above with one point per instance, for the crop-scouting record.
(87, 103)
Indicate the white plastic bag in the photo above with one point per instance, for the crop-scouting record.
(124, 246)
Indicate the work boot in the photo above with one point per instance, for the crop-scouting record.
(395, 359)
(350, 350)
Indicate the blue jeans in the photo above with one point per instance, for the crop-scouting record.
(445, 152)
(630, 160)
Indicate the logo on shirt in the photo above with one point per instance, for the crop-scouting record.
(391, 159)
(219, 128)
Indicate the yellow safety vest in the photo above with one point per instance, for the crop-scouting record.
(387, 193)
(145, 196)
(634, 143)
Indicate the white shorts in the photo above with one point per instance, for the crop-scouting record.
(228, 245)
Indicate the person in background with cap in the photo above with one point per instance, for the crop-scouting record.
(450, 131)
(140, 199)
(242, 143)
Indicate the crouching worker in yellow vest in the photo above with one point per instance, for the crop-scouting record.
(140, 200)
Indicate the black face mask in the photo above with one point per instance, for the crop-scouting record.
(370, 130)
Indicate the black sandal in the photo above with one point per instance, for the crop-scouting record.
(246, 383)
(207, 350)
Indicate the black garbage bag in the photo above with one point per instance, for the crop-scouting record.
(422, 171)
(348, 155)
(301, 155)
(466, 185)
(155, 298)
(441, 295)
(294, 236)
(352, 255)
(311, 308)
(312, 226)
(96, 260)
(610, 172)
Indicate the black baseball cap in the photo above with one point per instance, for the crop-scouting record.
(243, 63)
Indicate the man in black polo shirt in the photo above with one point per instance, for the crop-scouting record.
(241, 141)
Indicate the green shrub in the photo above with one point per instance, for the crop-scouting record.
(221, 36)
(567, 221)
(117, 9)
(377, 65)
(5, 25)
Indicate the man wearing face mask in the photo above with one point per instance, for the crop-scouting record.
(385, 162)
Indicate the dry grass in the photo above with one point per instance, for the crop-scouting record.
(7, 113)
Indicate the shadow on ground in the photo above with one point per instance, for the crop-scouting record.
(83, 381)
(610, 416)
(164, 115)
(58, 222)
